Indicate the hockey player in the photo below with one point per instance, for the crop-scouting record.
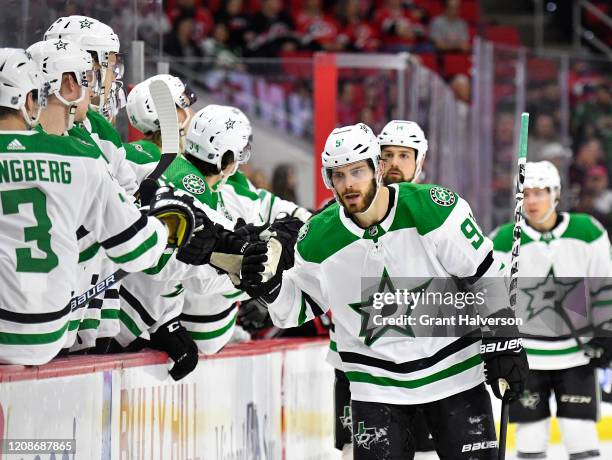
(40, 176)
(400, 230)
(403, 151)
(557, 251)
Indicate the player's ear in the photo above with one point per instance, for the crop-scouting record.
(70, 88)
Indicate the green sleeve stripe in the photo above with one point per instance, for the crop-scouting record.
(213, 334)
(332, 346)
(232, 295)
(89, 324)
(110, 313)
(88, 253)
(137, 252)
(540, 352)
(163, 261)
(129, 323)
(12, 338)
(602, 303)
(271, 204)
(364, 377)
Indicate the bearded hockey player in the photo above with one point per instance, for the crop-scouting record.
(400, 230)
(403, 151)
(560, 253)
(40, 176)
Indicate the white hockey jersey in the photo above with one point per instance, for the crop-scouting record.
(49, 187)
(428, 232)
(557, 266)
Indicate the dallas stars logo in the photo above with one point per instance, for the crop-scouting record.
(60, 45)
(194, 184)
(86, 24)
(372, 330)
(442, 196)
(346, 419)
(548, 294)
(229, 124)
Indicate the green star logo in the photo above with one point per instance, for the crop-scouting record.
(548, 294)
(86, 24)
(60, 45)
(194, 184)
(370, 330)
(229, 124)
(442, 196)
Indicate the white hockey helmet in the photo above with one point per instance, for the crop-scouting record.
(215, 110)
(406, 134)
(141, 111)
(99, 39)
(346, 145)
(56, 57)
(19, 75)
(544, 174)
(208, 139)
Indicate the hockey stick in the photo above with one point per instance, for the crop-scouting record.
(516, 247)
(168, 124)
(169, 127)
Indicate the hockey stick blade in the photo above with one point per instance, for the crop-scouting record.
(169, 127)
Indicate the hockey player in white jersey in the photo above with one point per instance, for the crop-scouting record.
(391, 231)
(560, 253)
(40, 176)
(403, 151)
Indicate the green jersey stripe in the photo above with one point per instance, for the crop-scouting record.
(89, 253)
(11, 338)
(364, 377)
(213, 334)
(232, 295)
(332, 346)
(562, 351)
(602, 303)
(129, 323)
(138, 251)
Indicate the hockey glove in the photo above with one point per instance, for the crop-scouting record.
(505, 358)
(178, 213)
(174, 339)
(286, 227)
(599, 349)
(253, 315)
(249, 232)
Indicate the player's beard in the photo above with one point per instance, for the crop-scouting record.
(366, 201)
(388, 179)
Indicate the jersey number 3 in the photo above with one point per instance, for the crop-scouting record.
(11, 200)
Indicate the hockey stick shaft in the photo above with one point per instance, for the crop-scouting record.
(516, 248)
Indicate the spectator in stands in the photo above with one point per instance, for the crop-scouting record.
(448, 31)
(271, 31)
(347, 104)
(318, 30)
(231, 14)
(217, 47)
(561, 157)
(460, 84)
(586, 204)
(202, 19)
(399, 29)
(594, 117)
(259, 179)
(544, 132)
(180, 41)
(283, 182)
(589, 154)
(357, 34)
(596, 181)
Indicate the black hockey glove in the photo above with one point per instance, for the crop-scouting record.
(599, 349)
(253, 315)
(173, 338)
(287, 227)
(249, 232)
(180, 215)
(505, 358)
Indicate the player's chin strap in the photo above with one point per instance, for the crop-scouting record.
(72, 105)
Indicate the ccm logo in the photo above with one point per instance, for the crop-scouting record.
(479, 446)
(576, 399)
(514, 344)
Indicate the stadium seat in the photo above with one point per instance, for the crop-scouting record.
(456, 63)
(506, 35)
(470, 11)
(540, 69)
(429, 60)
